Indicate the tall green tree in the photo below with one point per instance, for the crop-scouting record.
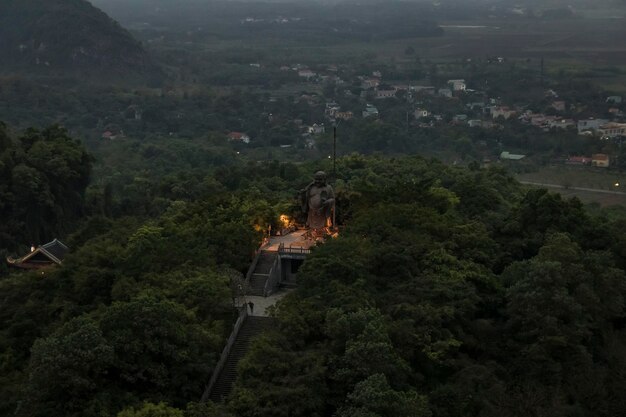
(67, 372)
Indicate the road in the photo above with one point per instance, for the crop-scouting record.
(593, 190)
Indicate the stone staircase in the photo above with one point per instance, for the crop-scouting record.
(261, 273)
(252, 327)
(248, 326)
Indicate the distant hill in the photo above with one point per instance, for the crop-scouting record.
(66, 36)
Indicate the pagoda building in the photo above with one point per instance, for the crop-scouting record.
(44, 256)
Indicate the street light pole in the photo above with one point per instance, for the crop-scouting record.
(334, 151)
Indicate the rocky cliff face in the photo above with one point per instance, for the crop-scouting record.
(60, 36)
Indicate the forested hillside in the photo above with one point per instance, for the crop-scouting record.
(43, 176)
(52, 37)
(449, 292)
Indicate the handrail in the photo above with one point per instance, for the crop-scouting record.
(292, 249)
(268, 286)
(253, 265)
(243, 314)
(273, 279)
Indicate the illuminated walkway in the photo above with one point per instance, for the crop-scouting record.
(294, 239)
(262, 304)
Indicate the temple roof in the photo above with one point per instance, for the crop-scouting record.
(55, 248)
(51, 252)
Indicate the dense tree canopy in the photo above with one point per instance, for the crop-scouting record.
(495, 301)
(449, 292)
(43, 176)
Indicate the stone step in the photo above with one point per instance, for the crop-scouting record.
(252, 327)
(265, 263)
(257, 284)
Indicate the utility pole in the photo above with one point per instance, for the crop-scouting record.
(335, 151)
(336, 124)
(408, 102)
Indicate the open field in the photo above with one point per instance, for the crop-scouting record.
(577, 176)
(599, 40)
(593, 49)
(588, 197)
(581, 182)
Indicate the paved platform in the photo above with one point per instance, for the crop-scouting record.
(293, 239)
(262, 304)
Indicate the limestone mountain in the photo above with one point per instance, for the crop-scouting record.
(65, 36)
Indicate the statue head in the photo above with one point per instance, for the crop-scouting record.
(320, 178)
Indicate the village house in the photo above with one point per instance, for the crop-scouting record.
(558, 105)
(511, 156)
(344, 115)
(423, 89)
(331, 109)
(590, 125)
(560, 123)
(612, 130)
(112, 133)
(370, 111)
(238, 137)
(367, 82)
(306, 73)
(383, 94)
(107, 134)
(614, 99)
(526, 117)
(502, 111)
(551, 93)
(540, 120)
(459, 118)
(600, 160)
(421, 113)
(546, 123)
(317, 129)
(44, 256)
(401, 87)
(457, 85)
(578, 160)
